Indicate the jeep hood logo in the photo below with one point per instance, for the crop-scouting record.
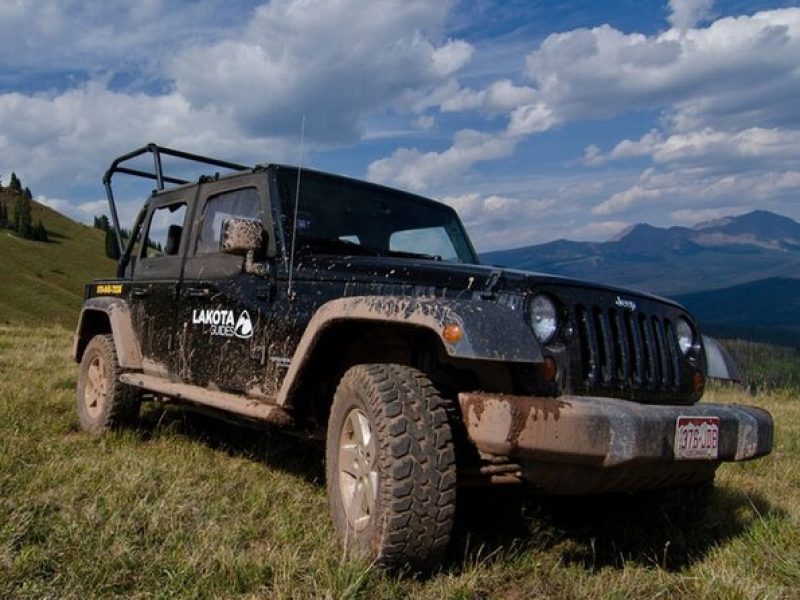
(629, 304)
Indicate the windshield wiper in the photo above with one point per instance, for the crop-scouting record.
(404, 254)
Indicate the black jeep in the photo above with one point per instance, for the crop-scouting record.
(360, 314)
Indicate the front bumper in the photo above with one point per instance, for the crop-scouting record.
(604, 440)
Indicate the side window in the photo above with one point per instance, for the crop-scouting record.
(242, 203)
(165, 231)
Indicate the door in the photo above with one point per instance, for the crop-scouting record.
(155, 285)
(224, 311)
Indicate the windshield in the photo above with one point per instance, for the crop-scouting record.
(342, 216)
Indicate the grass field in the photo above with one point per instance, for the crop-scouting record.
(181, 507)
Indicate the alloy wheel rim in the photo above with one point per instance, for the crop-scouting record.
(95, 389)
(358, 475)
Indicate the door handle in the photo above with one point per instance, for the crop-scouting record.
(198, 292)
(140, 292)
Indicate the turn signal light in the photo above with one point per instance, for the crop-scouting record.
(452, 333)
(699, 382)
(548, 370)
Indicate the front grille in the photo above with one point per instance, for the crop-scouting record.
(624, 350)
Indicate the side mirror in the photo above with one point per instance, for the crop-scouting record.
(174, 234)
(241, 236)
(112, 250)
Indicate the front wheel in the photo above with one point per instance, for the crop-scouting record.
(103, 401)
(390, 466)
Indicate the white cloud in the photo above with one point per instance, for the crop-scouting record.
(736, 74)
(626, 199)
(501, 96)
(240, 93)
(86, 211)
(451, 57)
(416, 170)
(599, 231)
(700, 188)
(532, 118)
(736, 69)
(593, 155)
(708, 165)
(496, 221)
(105, 36)
(746, 149)
(458, 99)
(61, 142)
(692, 216)
(293, 61)
(688, 13)
(425, 122)
(645, 146)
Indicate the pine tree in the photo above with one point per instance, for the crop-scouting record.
(23, 219)
(15, 184)
(101, 223)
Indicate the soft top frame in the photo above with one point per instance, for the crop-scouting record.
(157, 175)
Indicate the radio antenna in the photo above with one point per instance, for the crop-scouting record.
(296, 205)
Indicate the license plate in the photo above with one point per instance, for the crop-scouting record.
(697, 438)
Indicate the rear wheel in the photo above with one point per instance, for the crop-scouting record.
(103, 401)
(390, 466)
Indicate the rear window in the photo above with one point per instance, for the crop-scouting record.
(243, 204)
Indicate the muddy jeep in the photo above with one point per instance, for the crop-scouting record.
(360, 315)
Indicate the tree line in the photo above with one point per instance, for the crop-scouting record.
(19, 217)
(104, 224)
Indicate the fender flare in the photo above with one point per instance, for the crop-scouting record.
(118, 312)
(491, 332)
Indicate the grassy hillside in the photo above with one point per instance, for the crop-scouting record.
(183, 508)
(43, 282)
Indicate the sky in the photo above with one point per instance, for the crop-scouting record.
(535, 119)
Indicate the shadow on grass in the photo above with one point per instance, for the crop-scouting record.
(650, 530)
(500, 523)
(267, 445)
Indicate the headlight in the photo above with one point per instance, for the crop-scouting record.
(685, 335)
(543, 318)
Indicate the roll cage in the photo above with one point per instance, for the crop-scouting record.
(157, 175)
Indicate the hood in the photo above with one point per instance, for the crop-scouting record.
(440, 274)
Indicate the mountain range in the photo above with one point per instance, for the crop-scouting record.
(740, 275)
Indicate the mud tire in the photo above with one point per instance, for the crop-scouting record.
(103, 401)
(412, 516)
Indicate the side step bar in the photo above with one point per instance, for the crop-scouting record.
(244, 406)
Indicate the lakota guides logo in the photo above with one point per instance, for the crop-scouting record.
(223, 322)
